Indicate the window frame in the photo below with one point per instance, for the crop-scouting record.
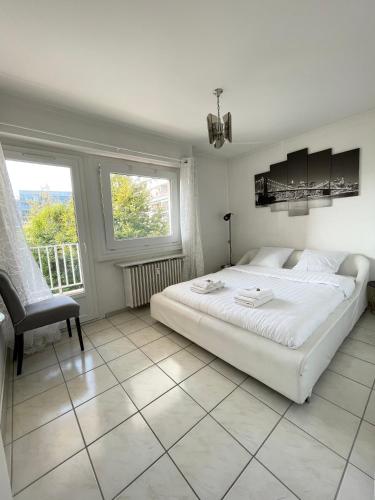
(143, 245)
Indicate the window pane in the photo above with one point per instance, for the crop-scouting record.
(140, 206)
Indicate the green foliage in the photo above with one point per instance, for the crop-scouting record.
(50, 224)
(133, 216)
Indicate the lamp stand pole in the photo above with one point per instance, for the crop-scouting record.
(230, 242)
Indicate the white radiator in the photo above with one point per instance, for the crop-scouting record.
(143, 279)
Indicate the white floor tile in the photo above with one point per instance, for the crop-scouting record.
(172, 415)
(160, 349)
(257, 483)
(344, 392)
(354, 368)
(181, 365)
(370, 410)
(145, 336)
(129, 365)
(72, 348)
(121, 318)
(37, 382)
(105, 336)
(363, 334)
(116, 348)
(367, 320)
(132, 326)
(102, 413)
(162, 481)
(179, 339)
(74, 479)
(328, 423)
(96, 326)
(84, 362)
(272, 398)
(307, 467)
(38, 361)
(90, 384)
(200, 353)
(356, 485)
(359, 349)
(160, 327)
(229, 371)
(363, 454)
(124, 453)
(246, 418)
(209, 458)
(208, 387)
(147, 386)
(40, 409)
(45, 448)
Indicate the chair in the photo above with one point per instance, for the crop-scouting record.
(35, 315)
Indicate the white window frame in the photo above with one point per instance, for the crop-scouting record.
(146, 245)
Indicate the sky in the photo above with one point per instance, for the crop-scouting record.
(35, 177)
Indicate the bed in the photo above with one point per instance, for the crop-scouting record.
(291, 367)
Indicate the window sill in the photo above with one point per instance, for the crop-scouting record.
(132, 254)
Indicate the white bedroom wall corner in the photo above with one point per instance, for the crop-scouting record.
(346, 225)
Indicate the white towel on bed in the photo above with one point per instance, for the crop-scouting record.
(255, 293)
(206, 286)
(252, 303)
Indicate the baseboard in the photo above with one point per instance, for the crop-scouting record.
(6, 391)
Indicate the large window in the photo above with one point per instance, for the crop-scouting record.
(140, 206)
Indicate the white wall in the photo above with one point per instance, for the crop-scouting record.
(349, 224)
(213, 204)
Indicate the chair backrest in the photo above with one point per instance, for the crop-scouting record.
(11, 298)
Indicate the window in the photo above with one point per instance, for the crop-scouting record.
(140, 205)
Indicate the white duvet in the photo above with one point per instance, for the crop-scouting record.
(303, 300)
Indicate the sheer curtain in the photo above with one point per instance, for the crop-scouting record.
(17, 260)
(190, 224)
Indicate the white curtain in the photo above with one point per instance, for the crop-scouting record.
(190, 224)
(17, 260)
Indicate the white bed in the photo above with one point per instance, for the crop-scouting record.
(290, 364)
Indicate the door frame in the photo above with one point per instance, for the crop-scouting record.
(53, 157)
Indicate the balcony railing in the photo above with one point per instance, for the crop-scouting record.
(61, 266)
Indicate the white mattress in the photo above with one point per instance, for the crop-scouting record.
(303, 301)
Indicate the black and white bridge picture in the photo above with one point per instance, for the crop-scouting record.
(305, 181)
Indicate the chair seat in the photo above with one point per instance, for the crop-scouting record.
(47, 312)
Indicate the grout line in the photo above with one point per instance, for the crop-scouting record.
(349, 378)
(237, 385)
(83, 439)
(352, 447)
(337, 405)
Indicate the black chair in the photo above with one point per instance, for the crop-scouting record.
(31, 316)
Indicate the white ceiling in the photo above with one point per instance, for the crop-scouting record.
(286, 66)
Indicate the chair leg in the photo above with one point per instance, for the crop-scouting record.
(78, 325)
(19, 353)
(69, 327)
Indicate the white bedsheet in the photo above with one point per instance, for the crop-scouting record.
(303, 300)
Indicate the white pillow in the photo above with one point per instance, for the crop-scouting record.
(271, 257)
(320, 261)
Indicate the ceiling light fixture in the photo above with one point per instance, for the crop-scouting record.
(219, 130)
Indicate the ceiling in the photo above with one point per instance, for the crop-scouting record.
(286, 66)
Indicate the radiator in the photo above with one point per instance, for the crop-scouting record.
(144, 279)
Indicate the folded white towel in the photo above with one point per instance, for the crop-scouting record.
(255, 293)
(252, 303)
(217, 286)
(206, 284)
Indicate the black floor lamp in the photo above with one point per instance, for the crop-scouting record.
(227, 217)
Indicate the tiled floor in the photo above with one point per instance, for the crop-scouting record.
(145, 414)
